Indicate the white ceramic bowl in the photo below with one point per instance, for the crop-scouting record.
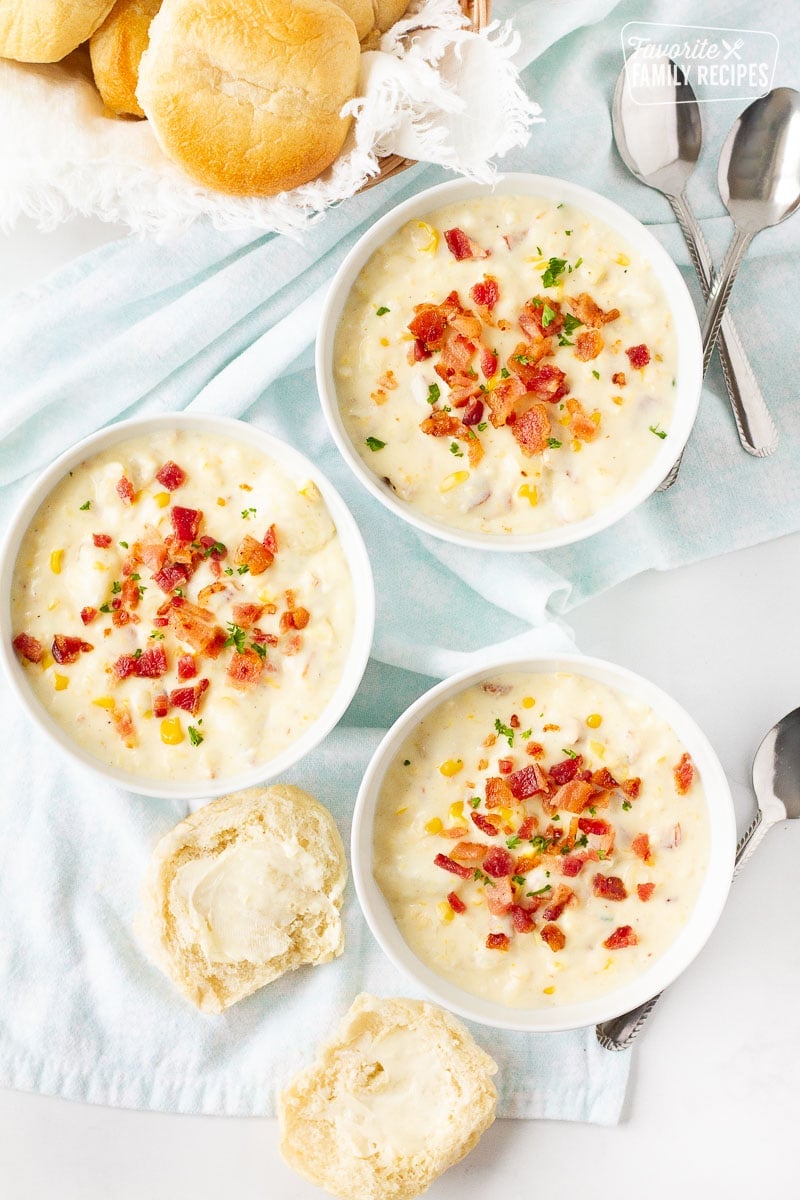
(665, 969)
(688, 379)
(354, 551)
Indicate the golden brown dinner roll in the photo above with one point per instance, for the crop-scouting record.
(386, 12)
(245, 889)
(116, 48)
(398, 1095)
(360, 13)
(245, 95)
(45, 31)
(373, 17)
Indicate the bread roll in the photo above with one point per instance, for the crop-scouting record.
(386, 12)
(245, 95)
(242, 891)
(400, 1094)
(116, 48)
(373, 17)
(43, 31)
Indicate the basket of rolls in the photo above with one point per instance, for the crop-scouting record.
(235, 100)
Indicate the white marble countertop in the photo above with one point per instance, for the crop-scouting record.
(713, 1103)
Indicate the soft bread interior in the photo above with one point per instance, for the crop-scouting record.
(241, 892)
(400, 1093)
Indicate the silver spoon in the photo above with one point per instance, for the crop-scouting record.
(660, 143)
(759, 181)
(776, 782)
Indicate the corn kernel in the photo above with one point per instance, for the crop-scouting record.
(429, 242)
(171, 731)
(445, 911)
(548, 991)
(60, 682)
(528, 701)
(53, 605)
(609, 963)
(56, 559)
(598, 749)
(399, 811)
(148, 714)
(161, 499)
(618, 401)
(594, 720)
(623, 260)
(505, 815)
(221, 502)
(453, 480)
(457, 811)
(576, 445)
(105, 702)
(434, 825)
(596, 416)
(47, 660)
(385, 341)
(529, 493)
(98, 566)
(451, 767)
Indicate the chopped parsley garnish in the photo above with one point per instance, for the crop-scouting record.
(87, 504)
(195, 736)
(555, 267)
(564, 850)
(482, 425)
(179, 592)
(537, 302)
(124, 545)
(106, 608)
(116, 587)
(561, 205)
(375, 443)
(660, 433)
(525, 360)
(505, 731)
(135, 577)
(592, 809)
(526, 733)
(229, 570)
(513, 842)
(564, 341)
(434, 392)
(601, 854)
(626, 805)
(260, 650)
(479, 876)
(556, 816)
(382, 311)
(246, 512)
(505, 373)
(569, 753)
(540, 843)
(217, 548)
(236, 636)
(456, 449)
(540, 252)
(243, 569)
(568, 232)
(157, 635)
(475, 801)
(578, 263)
(548, 316)
(596, 374)
(553, 443)
(541, 891)
(571, 323)
(141, 590)
(582, 841)
(519, 880)
(406, 762)
(137, 654)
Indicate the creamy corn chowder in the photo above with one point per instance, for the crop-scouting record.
(183, 606)
(506, 365)
(541, 839)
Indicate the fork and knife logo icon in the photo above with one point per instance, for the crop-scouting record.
(732, 48)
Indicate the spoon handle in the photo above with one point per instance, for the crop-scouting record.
(619, 1032)
(757, 433)
(720, 292)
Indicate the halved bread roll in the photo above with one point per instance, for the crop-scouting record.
(245, 889)
(116, 49)
(399, 1094)
(246, 95)
(43, 31)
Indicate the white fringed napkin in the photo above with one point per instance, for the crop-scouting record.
(433, 91)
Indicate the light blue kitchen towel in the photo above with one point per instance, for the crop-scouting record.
(225, 323)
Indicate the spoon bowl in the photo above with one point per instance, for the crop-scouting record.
(759, 167)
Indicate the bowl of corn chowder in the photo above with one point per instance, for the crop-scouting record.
(543, 844)
(187, 604)
(509, 368)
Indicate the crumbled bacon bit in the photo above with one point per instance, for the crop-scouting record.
(429, 327)
(449, 864)
(160, 705)
(593, 825)
(498, 793)
(189, 698)
(441, 424)
(588, 345)
(473, 413)
(456, 903)
(522, 918)
(604, 779)
(619, 379)
(621, 937)
(295, 618)
(102, 540)
(641, 846)
(559, 900)
(195, 626)
(470, 851)
(484, 824)
(532, 429)
(499, 896)
(684, 774)
(488, 362)
(527, 781)
(528, 827)
(244, 670)
(562, 772)
(461, 246)
(501, 400)
(123, 723)
(645, 890)
(213, 549)
(573, 796)
(125, 491)
(498, 862)
(88, 614)
(454, 831)
(505, 765)
(171, 476)
(609, 887)
(497, 941)
(172, 576)
(66, 650)
(246, 615)
(254, 555)
(572, 864)
(639, 355)
(28, 647)
(590, 313)
(486, 293)
(152, 663)
(152, 554)
(185, 522)
(270, 540)
(535, 749)
(554, 937)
